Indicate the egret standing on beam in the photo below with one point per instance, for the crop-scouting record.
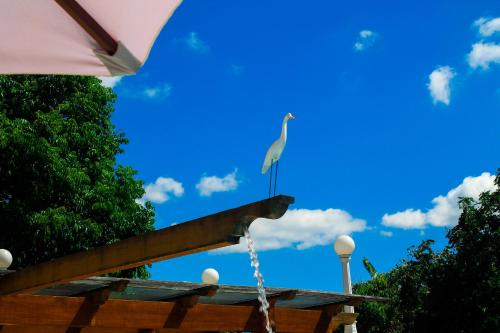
(274, 153)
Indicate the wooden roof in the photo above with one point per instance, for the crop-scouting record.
(148, 290)
(107, 305)
(64, 296)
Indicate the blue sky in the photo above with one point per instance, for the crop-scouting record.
(398, 113)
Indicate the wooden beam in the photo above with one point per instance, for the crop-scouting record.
(100, 295)
(284, 295)
(183, 302)
(343, 318)
(189, 298)
(208, 290)
(93, 300)
(205, 233)
(29, 310)
(271, 299)
(355, 301)
(61, 329)
(328, 312)
(89, 24)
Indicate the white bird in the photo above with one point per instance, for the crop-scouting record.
(274, 152)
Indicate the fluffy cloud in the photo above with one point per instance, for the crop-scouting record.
(158, 92)
(300, 229)
(211, 184)
(161, 189)
(483, 54)
(194, 43)
(488, 27)
(445, 210)
(439, 84)
(110, 81)
(365, 40)
(408, 219)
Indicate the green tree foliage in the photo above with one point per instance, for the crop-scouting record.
(60, 188)
(455, 290)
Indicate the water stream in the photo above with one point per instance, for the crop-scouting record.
(254, 262)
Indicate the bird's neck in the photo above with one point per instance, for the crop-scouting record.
(283, 130)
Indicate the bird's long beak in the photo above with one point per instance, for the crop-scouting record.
(292, 116)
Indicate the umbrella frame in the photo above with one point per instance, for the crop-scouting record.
(90, 25)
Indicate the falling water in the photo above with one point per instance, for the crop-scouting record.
(254, 262)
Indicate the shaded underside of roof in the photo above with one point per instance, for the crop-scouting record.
(147, 290)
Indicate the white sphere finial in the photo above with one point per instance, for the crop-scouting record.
(210, 276)
(5, 259)
(344, 245)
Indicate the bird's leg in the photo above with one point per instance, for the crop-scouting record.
(276, 177)
(270, 179)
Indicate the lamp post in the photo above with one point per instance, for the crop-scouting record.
(344, 246)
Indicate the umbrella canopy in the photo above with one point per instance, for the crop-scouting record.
(86, 37)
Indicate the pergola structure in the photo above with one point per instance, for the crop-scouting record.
(64, 296)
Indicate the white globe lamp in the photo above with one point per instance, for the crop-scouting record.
(210, 276)
(344, 246)
(5, 259)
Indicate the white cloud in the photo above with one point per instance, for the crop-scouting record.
(110, 81)
(484, 54)
(365, 40)
(161, 189)
(408, 219)
(488, 27)
(194, 43)
(158, 92)
(439, 84)
(445, 211)
(211, 184)
(386, 233)
(300, 229)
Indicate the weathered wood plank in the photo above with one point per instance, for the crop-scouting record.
(29, 310)
(343, 318)
(100, 295)
(61, 329)
(206, 233)
(326, 324)
(285, 295)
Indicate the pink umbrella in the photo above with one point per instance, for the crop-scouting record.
(87, 37)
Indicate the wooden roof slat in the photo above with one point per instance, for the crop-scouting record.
(101, 294)
(30, 310)
(285, 295)
(62, 329)
(205, 233)
(187, 299)
(208, 290)
(93, 300)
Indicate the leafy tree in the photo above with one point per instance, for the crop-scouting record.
(60, 188)
(455, 290)
(474, 272)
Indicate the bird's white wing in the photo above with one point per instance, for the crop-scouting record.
(267, 162)
(272, 155)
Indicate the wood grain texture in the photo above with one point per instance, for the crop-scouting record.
(53, 311)
(205, 233)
